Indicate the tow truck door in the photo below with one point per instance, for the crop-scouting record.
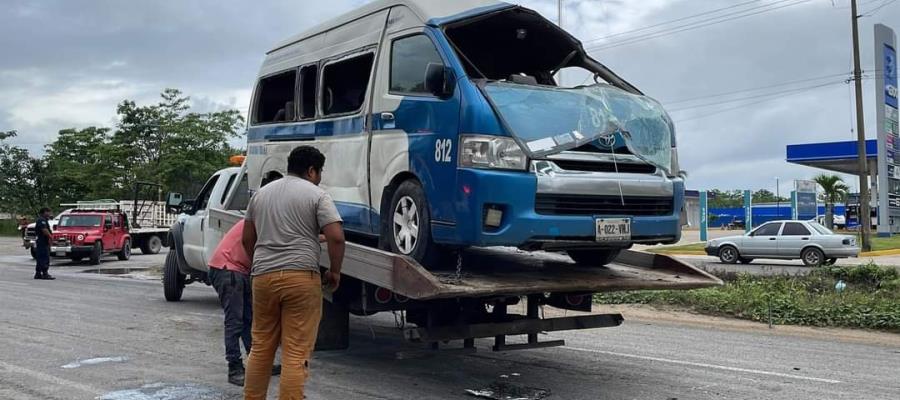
(195, 225)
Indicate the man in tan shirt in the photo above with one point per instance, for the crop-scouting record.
(281, 235)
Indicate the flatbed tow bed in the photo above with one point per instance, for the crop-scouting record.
(472, 300)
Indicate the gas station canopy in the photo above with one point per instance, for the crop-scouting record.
(833, 156)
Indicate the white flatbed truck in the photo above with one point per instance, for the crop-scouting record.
(469, 302)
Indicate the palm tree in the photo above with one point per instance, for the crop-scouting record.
(835, 190)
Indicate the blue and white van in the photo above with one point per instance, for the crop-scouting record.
(444, 127)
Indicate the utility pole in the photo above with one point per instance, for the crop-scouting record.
(865, 216)
(559, 23)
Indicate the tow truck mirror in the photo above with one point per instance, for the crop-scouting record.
(174, 202)
(439, 80)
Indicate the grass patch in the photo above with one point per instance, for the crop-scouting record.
(870, 300)
(8, 227)
(883, 243)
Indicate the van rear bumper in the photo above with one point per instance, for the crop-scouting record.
(515, 193)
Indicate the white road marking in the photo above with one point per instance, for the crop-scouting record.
(93, 361)
(702, 365)
(48, 378)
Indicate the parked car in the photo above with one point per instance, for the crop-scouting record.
(91, 233)
(788, 240)
(30, 236)
(839, 221)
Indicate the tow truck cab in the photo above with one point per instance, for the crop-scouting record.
(90, 234)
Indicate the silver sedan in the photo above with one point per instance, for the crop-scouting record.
(787, 240)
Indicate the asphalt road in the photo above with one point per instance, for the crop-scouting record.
(90, 335)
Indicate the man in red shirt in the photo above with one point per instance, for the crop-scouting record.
(229, 272)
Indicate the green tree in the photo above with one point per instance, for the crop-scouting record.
(79, 165)
(765, 196)
(24, 189)
(835, 190)
(166, 144)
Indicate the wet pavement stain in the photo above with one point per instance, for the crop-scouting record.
(166, 391)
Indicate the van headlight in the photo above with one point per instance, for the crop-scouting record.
(494, 152)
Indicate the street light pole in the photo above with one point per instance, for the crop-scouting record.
(777, 199)
(865, 216)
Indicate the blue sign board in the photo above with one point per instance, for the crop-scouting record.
(890, 76)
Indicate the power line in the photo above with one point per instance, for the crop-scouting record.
(695, 25)
(876, 9)
(721, 94)
(763, 95)
(706, 115)
(669, 22)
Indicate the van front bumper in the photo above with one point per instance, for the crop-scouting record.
(521, 225)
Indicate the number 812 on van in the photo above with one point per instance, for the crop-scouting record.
(442, 149)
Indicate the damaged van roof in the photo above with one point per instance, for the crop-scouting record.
(432, 12)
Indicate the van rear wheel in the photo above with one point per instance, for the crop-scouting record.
(409, 224)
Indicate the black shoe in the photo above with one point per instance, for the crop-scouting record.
(236, 373)
(38, 275)
(276, 370)
(48, 277)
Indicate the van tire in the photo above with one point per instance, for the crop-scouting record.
(96, 253)
(409, 206)
(173, 279)
(594, 257)
(125, 253)
(151, 245)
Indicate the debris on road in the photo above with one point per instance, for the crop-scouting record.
(503, 390)
(94, 361)
(166, 391)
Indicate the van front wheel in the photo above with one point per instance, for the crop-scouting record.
(409, 224)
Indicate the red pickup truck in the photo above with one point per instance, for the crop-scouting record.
(91, 233)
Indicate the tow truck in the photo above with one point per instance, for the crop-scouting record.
(469, 301)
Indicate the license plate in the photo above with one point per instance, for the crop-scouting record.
(613, 229)
(60, 254)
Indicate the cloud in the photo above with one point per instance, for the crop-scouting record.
(67, 64)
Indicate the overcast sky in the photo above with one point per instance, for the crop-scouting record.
(68, 63)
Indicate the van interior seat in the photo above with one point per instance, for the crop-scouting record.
(289, 111)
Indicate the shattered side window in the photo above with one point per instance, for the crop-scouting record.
(549, 120)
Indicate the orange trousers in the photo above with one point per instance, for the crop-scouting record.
(287, 307)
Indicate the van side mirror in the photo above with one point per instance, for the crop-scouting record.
(439, 80)
(174, 202)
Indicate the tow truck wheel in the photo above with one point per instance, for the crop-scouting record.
(96, 252)
(409, 224)
(173, 279)
(594, 257)
(125, 253)
(152, 245)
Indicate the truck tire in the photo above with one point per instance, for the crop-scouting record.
(125, 253)
(812, 257)
(594, 257)
(409, 224)
(173, 279)
(96, 253)
(151, 245)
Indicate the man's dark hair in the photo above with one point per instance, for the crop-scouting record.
(44, 210)
(304, 157)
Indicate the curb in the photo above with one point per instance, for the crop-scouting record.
(876, 253)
